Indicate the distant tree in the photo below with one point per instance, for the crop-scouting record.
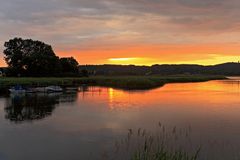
(26, 57)
(69, 65)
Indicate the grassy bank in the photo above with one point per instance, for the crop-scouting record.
(123, 82)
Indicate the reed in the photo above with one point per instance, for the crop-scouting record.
(165, 144)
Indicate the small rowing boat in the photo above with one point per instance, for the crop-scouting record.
(54, 89)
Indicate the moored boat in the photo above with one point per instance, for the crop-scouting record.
(41, 89)
(17, 89)
(54, 89)
(31, 90)
(50, 89)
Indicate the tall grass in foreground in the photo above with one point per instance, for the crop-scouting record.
(165, 144)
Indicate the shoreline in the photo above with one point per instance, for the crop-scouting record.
(119, 82)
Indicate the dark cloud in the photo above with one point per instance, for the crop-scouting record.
(30, 10)
(77, 24)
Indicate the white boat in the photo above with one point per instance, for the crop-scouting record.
(41, 89)
(21, 90)
(17, 90)
(31, 90)
(54, 89)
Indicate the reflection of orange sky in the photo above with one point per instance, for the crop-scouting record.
(207, 94)
(151, 54)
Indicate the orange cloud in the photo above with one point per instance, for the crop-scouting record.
(165, 53)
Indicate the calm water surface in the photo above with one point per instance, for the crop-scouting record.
(84, 125)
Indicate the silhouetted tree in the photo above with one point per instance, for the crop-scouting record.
(30, 58)
(69, 65)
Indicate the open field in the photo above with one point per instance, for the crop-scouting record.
(122, 82)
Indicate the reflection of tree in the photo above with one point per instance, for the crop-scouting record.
(32, 107)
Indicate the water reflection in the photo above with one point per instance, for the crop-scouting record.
(20, 108)
(89, 122)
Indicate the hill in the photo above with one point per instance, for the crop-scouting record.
(228, 69)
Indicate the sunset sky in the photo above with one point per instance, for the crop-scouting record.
(141, 32)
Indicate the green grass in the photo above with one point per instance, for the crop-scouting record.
(122, 82)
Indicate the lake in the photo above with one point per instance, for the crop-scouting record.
(85, 125)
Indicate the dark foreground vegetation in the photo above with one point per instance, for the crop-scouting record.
(122, 82)
(164, 144)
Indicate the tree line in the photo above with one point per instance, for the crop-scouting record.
(228, 69)
(27, 57)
